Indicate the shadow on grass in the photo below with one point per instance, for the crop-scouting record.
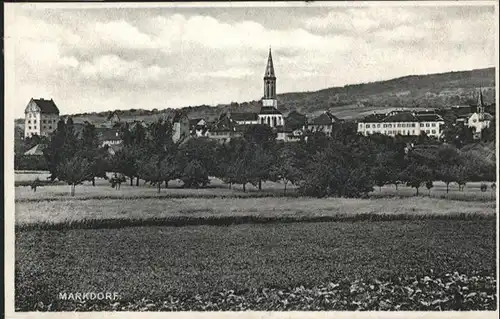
(179, 221)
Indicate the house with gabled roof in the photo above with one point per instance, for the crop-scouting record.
(36, 150)
(225, 128)
(41, 117)
(323, 123)
(198, 127)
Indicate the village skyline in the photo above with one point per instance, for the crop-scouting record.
(132, 60)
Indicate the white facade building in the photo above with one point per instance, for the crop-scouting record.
(41, 117)
(402, 123)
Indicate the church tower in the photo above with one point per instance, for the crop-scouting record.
(269, 98)
(480, 104)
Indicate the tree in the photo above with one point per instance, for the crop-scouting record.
(124, 162)
(263, 139)
(195, 175)
(488, 134)
(380, 175)
(63, 145)
(239, 169)
(157, 170)
(416, 174)
(260, 134)
(90, 150)
(261, 161)
(74, 171)
(429, 185)
(340, 170)
(116, 180)
(448, 158)
(203, 150)
(447, 174)
(286, 168)
(462, 175)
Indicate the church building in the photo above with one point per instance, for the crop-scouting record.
(267, 115)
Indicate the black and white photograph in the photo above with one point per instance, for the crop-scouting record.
(278, 158)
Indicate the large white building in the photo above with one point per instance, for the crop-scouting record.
(41, 117)
(402, 123)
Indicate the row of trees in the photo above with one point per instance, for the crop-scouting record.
(345, 164)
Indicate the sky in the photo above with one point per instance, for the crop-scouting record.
(99, 59)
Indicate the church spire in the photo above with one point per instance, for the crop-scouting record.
(270, 84)
(480, 102)
(270, 67)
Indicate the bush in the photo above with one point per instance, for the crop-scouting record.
(484, 187)
(30, 163)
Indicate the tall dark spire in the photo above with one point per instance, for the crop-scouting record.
(480, 102)
(270, 83)
(270, 67)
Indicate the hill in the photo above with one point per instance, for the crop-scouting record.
(350, 101)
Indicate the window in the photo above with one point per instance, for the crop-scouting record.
(378, 125)
(413, 132)
(413, 125)
(44, 127)
(360, 125)
(50, 127)
(427, 131)
(44, 121)
(29, 127)
(367, 125)
(403, 125)
(399, 124)
(390, 125)
(433, 131)
(427, 125)
(421, 124)
(399, 131)
(433, 124)
(29, 121)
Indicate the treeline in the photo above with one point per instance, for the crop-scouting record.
(345, 164)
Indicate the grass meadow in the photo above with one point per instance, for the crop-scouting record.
(217, 188)
(222, 249)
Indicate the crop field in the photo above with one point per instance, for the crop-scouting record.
(316, 266)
